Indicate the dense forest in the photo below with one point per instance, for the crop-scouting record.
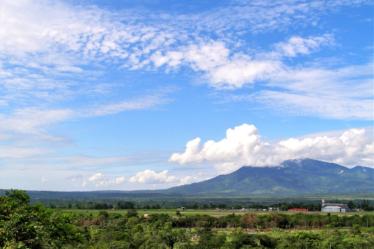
(25, 225)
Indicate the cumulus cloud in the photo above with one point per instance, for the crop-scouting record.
(101, 181)
(243, 146)
(150, 176)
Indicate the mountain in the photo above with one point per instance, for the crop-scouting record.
(289, 178)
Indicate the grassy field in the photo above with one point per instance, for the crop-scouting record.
(172, 212)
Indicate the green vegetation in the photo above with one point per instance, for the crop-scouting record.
(191, 212)
(23, 225)
(110, 199)
(33, 226)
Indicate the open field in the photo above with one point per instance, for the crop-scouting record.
(215, 213)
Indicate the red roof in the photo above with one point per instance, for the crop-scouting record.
(298, 209)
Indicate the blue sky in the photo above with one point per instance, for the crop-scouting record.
(152, 94)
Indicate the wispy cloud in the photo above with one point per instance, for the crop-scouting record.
(45, 42)
(33, 120)
(343, 93)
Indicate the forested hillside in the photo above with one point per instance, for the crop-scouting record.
(292, 177)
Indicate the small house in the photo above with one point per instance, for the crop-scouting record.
(181, 208)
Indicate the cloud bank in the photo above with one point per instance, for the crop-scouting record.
(243, 146)
(145, 177)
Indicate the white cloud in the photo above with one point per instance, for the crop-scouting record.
(221, 67)
(119, 180)
(44, 179)
(188, 180)
(243, 146)
(185, 180)
(101, 181)
(65, 38)
(151, 177)
(30, 120)
(96, 177)
(298, 45)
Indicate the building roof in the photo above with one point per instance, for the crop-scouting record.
(335, 205)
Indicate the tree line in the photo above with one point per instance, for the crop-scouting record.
(364, 205)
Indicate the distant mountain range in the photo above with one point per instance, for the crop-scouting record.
(292, 177)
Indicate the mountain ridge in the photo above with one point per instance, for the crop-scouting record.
(290, 177)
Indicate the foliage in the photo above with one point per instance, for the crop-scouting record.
(33, 226)
(125, 205)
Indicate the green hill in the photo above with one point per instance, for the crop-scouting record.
(292, 177)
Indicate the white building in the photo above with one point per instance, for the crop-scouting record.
(335, 208)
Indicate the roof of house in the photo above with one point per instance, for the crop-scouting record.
(335, 205)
